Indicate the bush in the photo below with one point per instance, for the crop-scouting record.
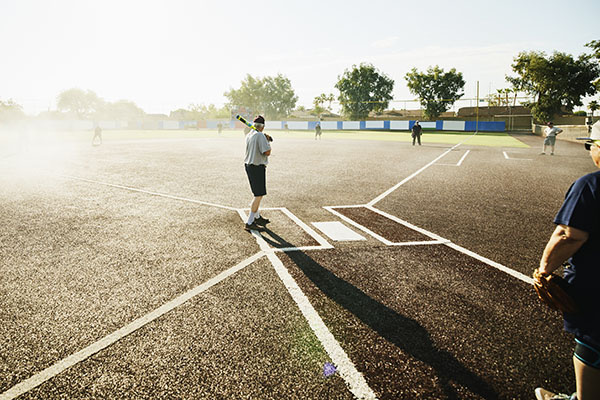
(580, 113)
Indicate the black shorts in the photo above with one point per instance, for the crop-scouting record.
(257, 178)
(587, 353)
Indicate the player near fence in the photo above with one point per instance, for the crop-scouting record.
(416, 132)
(318, 130)
(258, 151)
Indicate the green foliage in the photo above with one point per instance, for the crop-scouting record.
(503, 98)
(319, 103)
(593, 106)
(120, 110)
(9, 110)
(364, 89)
(437, 90)
(87, 104)
(78, 102)
(200, 112)
(557, 82)
(272, 96)
(580, 113)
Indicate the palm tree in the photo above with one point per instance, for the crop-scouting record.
(593, 106)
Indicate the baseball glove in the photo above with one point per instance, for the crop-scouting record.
(554, 291)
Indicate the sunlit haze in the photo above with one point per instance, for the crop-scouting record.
(164, 55)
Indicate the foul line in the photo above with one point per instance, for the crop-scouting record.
(346, 368)
(168, 196)
(408, 178)
(50, 372)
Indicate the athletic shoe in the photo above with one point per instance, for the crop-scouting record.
(543, 394)
(551, 154)
(542, 154)
(252, 227)
(261, 221)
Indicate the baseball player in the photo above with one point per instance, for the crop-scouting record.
(258, 151)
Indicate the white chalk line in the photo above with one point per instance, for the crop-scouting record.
(354, 379)
(52, 371)
(168, 196)
(463, 158)
(408, 178)
(323, 243)
(437, 240)
(516, 159)
(459, 163)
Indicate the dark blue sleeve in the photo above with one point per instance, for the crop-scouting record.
(581, 207)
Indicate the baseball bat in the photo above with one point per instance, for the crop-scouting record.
(251, 126)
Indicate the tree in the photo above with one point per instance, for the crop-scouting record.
(556, 82)
(272, 96)
(319, 103)
(364, 89)
(503, 98)
(10, 110)
(593, 106)
(437, 90)
(79, 102)
(121, 110)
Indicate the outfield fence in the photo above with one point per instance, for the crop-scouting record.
(392, 125)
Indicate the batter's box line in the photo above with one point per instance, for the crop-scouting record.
(437, 239)
(323, 244)
(515, 159)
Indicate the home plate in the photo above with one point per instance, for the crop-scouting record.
(338, 231)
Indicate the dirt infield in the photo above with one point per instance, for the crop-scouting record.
(126, 273)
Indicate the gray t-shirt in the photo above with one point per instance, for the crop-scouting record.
(256, 145)
(550, 132)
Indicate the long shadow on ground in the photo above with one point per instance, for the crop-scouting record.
(404, 332)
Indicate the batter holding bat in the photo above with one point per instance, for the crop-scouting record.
(258, 151)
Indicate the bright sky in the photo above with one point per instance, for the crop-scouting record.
(164, 55)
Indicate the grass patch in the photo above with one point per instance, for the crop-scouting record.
(492, 139)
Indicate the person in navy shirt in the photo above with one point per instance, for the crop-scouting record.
(577, 239)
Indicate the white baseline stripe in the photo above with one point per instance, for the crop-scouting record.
(386, 193)
(463, 158)
(407, 224)
(448, 243)
(145, 191)
(308, 229)
(50, 372)
(354, 379)
(323, 244)
(516, 159)
(408, 178)
(359, 226)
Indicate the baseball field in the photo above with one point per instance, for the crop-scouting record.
(388, 270)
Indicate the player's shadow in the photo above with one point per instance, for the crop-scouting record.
(404, 332)
(274, 240)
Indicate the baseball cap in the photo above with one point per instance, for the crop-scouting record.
(595, 135)
(259, 120)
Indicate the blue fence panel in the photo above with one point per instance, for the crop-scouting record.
(386, 125)
(486, 126)
(439, 125)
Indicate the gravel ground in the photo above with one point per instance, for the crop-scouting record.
(81, 259)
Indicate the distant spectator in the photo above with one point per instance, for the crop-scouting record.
(318, 130)
(550, 132)
(97, 134)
